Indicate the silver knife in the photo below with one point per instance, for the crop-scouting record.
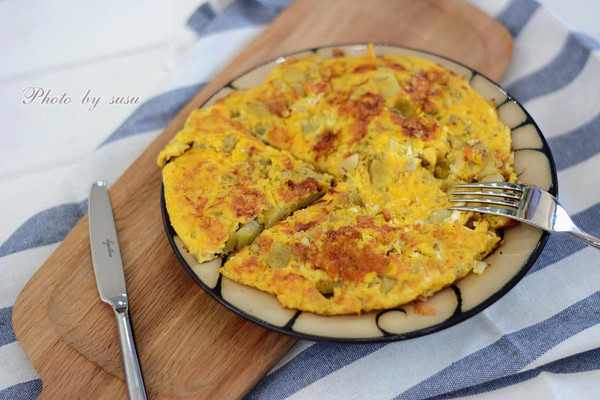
(110, 277)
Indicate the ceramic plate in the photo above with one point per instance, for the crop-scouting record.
(508, 263)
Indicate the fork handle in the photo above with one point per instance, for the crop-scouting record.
(589, 239)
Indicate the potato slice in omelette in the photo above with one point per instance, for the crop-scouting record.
(222, 188)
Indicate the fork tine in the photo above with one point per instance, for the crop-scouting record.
(508, 195)
(488, 210)
(492, 185)
(489, 201)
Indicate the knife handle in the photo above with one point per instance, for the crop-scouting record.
(131, 363)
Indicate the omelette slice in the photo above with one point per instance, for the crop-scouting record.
(336, 257)
(222, 188)
(325, 110)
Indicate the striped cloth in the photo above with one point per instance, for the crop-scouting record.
(541, 340)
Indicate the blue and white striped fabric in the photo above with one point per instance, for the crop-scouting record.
(541, 340)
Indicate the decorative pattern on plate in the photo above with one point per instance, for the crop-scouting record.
(507, 265)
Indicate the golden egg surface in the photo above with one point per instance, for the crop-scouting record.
(249, 176)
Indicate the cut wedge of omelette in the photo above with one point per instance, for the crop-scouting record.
(245, 178)
(221, 190)
(336, 257)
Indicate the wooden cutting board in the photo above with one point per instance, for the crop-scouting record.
(191, 347)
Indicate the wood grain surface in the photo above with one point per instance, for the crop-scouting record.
(191, 347)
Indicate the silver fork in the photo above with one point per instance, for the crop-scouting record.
(520, 202)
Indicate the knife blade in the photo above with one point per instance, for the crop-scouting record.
(106, 254)
(110, 278)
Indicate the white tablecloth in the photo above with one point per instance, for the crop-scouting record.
(548, 346)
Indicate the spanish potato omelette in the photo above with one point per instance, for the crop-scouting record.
(395, 132)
